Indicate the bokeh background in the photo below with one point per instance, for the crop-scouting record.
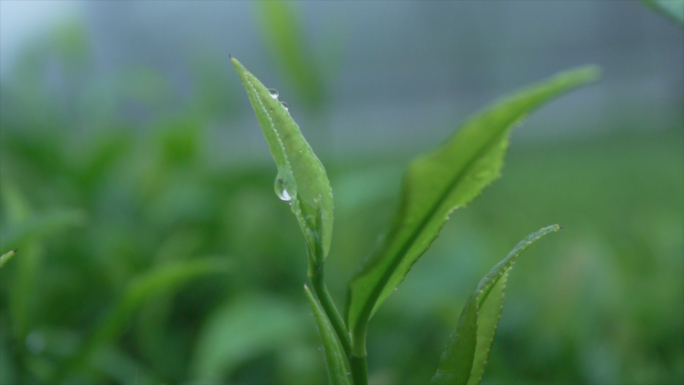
(137, 186)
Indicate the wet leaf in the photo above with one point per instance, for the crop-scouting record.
(301, 178)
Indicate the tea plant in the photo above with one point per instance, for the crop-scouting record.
(435, 184)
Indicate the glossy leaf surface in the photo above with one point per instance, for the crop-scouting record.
(301, 177)
(466, 355)
(441, 181)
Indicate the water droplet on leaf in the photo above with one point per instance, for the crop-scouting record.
(273, 92)
(285, 106)
(281, 189)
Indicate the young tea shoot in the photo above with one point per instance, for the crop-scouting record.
(435, 184)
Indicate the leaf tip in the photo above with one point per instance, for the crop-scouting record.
(590, 73)
(238, 66)
(5, 257)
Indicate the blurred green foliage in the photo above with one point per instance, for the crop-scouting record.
(108, 184)
(281, 27)
(674, 9)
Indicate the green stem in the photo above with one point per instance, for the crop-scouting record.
(358, 358)
(359, 370)
(318, 284)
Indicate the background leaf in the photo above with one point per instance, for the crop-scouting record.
(6, 256)
(466, 355)
(143, 288)
(25, 229)
(41, 225)
(158, 149)
(300, 172)
(283, 29)
(241, 330)
(674, 9)
(335, 357)
(443, 180)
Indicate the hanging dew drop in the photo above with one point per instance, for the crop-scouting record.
(285, 106)
(281, 189)
(273, 92)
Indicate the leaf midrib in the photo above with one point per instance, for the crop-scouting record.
(270, 120)
(378, 288)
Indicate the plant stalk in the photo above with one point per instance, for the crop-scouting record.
(359, 370)
(318, 284)
(357, 360)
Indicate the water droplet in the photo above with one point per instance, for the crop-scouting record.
(320, 348)
(285, 106)
(273, 92)
(281, 189)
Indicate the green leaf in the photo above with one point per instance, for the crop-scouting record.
(141, 289)
(441, 181)
(8, 374)
(25, 229)
(241, 330)
(301, 177)
(335, 357)
(465, 357)
(5, 257)
(120, 367)
(40, 225)
(674, 9)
